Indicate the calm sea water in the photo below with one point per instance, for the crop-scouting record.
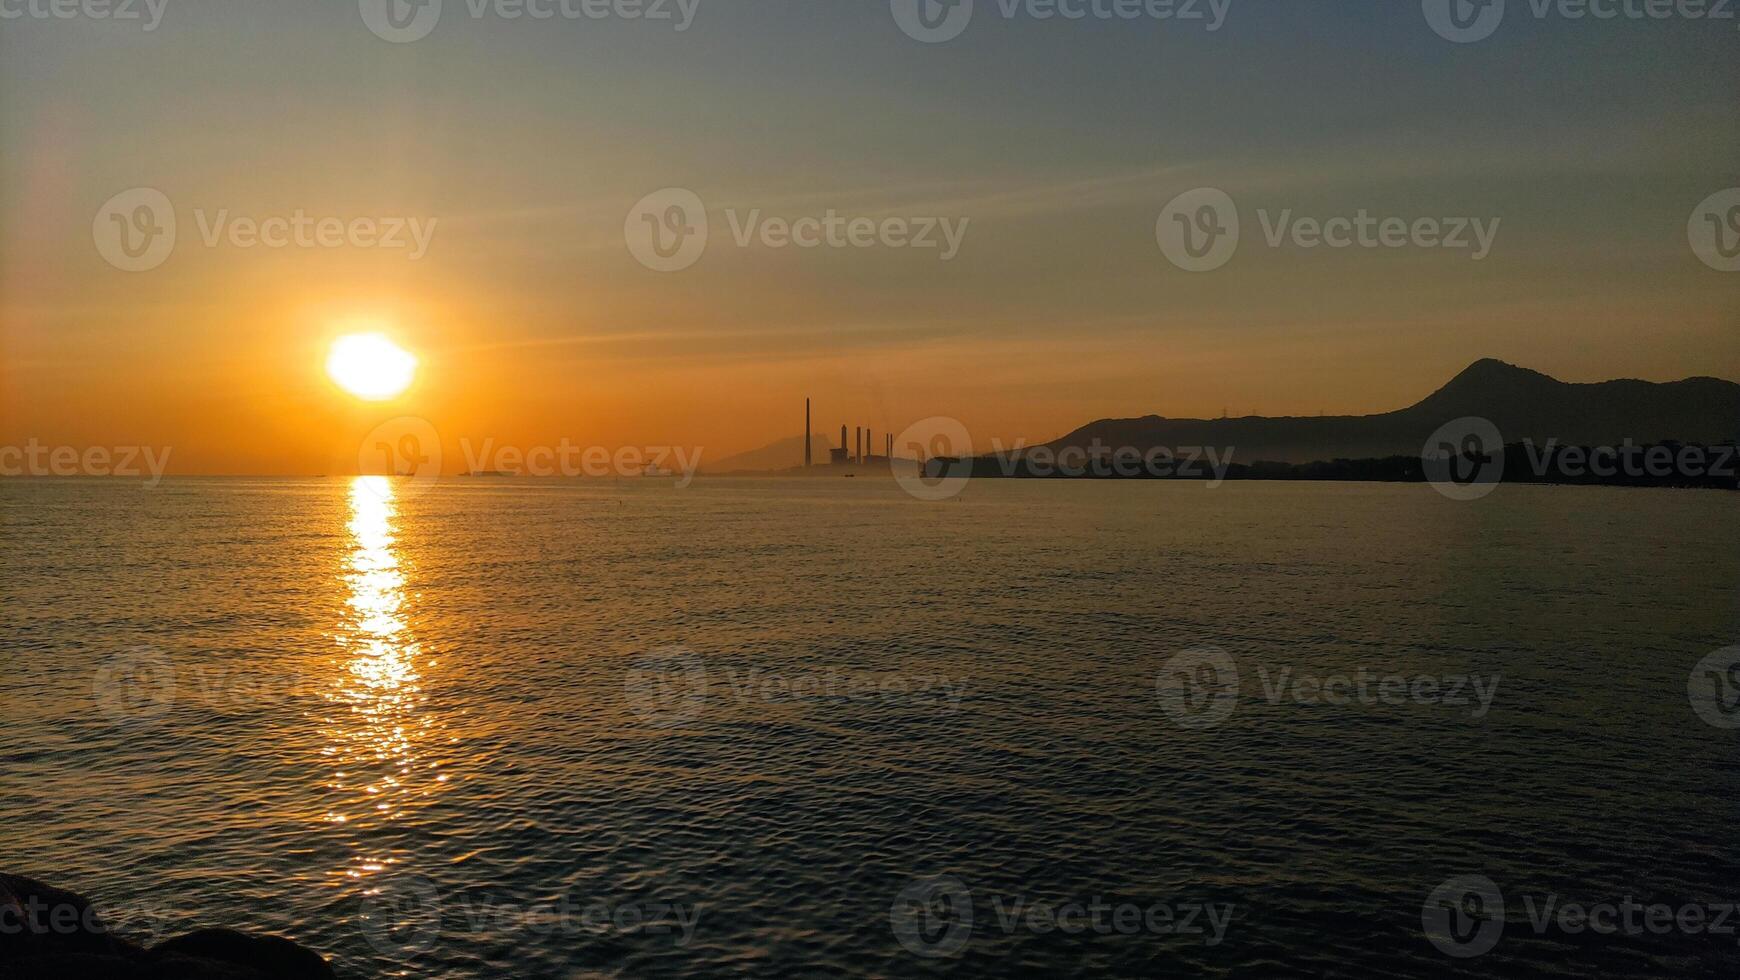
(796, 728)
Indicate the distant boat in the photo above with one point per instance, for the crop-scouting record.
(656, 470)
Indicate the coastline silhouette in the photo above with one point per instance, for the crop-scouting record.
(1622, 432)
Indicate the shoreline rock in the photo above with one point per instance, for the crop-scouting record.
(47, 933)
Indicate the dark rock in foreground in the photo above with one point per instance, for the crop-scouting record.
(49, 934)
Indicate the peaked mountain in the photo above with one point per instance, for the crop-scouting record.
(1522, 404)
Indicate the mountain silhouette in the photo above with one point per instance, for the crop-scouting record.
(782, 455)
(1522, 404)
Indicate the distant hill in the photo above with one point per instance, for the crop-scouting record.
(782, 455)
(1522, 404)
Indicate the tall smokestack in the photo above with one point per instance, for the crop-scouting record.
(869, 445)
(807, 461)
(842, 438)
(857, 444)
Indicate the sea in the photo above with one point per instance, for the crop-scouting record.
(815, 727)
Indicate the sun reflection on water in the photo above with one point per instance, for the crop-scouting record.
(380, 732)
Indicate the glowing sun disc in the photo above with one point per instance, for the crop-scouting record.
(370, 366)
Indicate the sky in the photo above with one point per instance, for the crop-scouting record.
(525, 149)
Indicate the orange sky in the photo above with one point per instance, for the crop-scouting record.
(534, 323)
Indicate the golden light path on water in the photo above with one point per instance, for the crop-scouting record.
(379, 735)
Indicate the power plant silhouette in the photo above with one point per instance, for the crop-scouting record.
(861, 453)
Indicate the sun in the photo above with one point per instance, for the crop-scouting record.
(370, 366)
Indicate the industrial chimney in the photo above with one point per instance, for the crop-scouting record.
(807, 461)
